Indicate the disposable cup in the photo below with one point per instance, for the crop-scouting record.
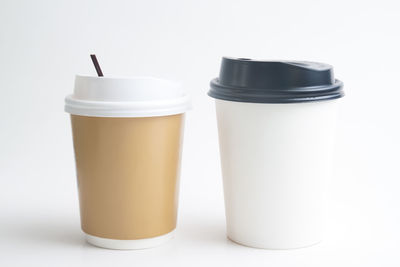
(127, 135)
(276, 124)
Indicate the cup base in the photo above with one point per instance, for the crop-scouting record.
(129, 244)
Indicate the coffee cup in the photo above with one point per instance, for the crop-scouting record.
(127, 135)
(276, 124)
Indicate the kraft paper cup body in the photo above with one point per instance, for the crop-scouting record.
(127, 135)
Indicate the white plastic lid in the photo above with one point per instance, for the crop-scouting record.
(126, 97)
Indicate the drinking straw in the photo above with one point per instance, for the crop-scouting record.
(96, 65)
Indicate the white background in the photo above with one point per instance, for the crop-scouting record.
(43, 44)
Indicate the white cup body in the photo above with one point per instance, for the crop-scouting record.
(276, 160)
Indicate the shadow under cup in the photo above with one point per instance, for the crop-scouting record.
(127, 170)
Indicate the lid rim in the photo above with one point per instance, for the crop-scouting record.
(214, 84)
(127, 109)
(290, 95)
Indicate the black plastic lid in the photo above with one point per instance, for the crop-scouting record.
(247, 80)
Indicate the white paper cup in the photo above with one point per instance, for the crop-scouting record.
(276, 159)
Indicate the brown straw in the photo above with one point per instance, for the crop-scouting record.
(96, 65)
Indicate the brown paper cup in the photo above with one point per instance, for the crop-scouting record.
(128, 178)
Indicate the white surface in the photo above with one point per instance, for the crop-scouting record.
(43, 44)
(276, 160)
(126, 97)
(129, 244)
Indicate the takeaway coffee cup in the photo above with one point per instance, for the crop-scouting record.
(276, 124)
(127, 135)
